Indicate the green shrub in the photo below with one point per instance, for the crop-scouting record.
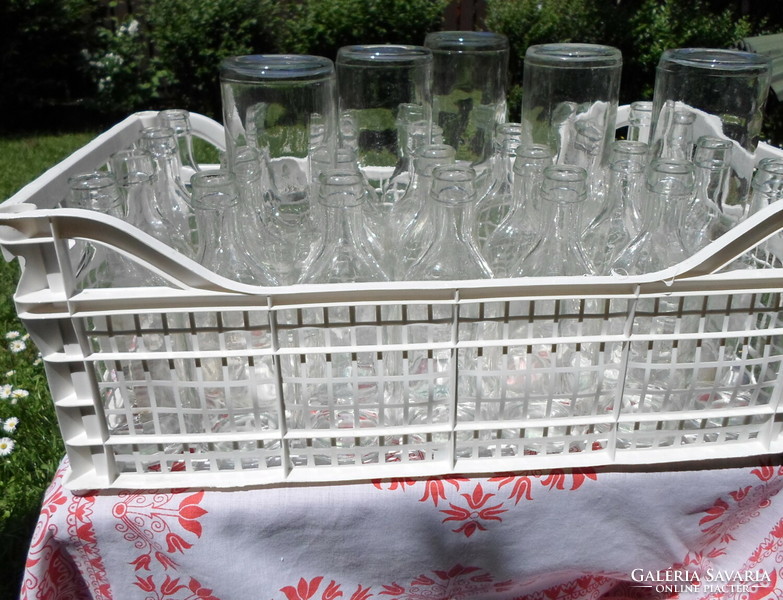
(164, 56)
(40, 55)
(321, 27)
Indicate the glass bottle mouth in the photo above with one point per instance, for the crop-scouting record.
(133, 165)
(453, 184)
(574, 56)
(159, 140)
(467, 42)
(341, 188)
(176, 118)
(670, 176)
(214, 190)
(726, 62)
(532, 155)
(383, 56)
(96, 191)
(564, 184)
(276, 67)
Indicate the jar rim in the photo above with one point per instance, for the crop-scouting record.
(383, 55)
(573, 55)
(715, 59)
(276, 67)
(466, 41)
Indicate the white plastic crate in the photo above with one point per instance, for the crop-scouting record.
(214, 383)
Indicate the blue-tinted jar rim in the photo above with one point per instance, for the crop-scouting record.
(716, 59)
(466, 41)
(276, 67)
(383, 55)
(574, 56)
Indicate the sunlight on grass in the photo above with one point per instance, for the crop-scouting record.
(30, 444)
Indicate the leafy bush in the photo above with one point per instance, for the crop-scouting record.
(40, 42)
(321, 27)
(164, 56)
(641, 30)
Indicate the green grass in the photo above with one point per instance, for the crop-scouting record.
(27, 470)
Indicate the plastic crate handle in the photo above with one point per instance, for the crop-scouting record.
(22, 224)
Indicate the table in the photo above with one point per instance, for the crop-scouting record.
(712, 531)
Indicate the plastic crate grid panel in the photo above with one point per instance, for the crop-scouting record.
(325, 386)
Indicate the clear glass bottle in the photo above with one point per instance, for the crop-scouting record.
(669, 187)
(493, 206)
(134, 170)
(612, 230)
(170, 192)
(520, 230)
(703, 220)
(559, 251)
(216, 203)
(453, 253)
(639, 121)
(95, 266)
(345, 254)
(677, 141)
(766, 188)
(413, 130)
(411, 226)
(179, 120)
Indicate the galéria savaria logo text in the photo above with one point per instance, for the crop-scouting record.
(710, 581)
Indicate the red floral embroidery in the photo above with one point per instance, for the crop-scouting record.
(475, 513)
(475, 516)
(457, 582)
(522, 487)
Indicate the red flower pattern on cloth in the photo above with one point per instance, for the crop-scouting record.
(158, 524)
(474, 511)
(51, 573)
(454, 584)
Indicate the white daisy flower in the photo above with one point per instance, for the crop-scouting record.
(12, 335)
(6, 446)
(38, 361)
(6, 391)
(10, 373)
(10, 424)
(17, 346)
(26, 337)
(20, 394)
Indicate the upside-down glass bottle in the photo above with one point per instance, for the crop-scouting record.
(344, 255)
(496, 203)
(605, 238)
(453, 252)
(520, 230)
(172, 197)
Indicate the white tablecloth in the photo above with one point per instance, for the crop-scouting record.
(714, 532)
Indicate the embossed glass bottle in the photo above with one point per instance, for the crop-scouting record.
(173, 199)
(606, 236)
(520, 230)
(453, 252)
(496, 203)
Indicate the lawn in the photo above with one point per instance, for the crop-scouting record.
(30, 445)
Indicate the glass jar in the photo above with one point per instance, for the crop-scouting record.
(379, 86)
(469, 91)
